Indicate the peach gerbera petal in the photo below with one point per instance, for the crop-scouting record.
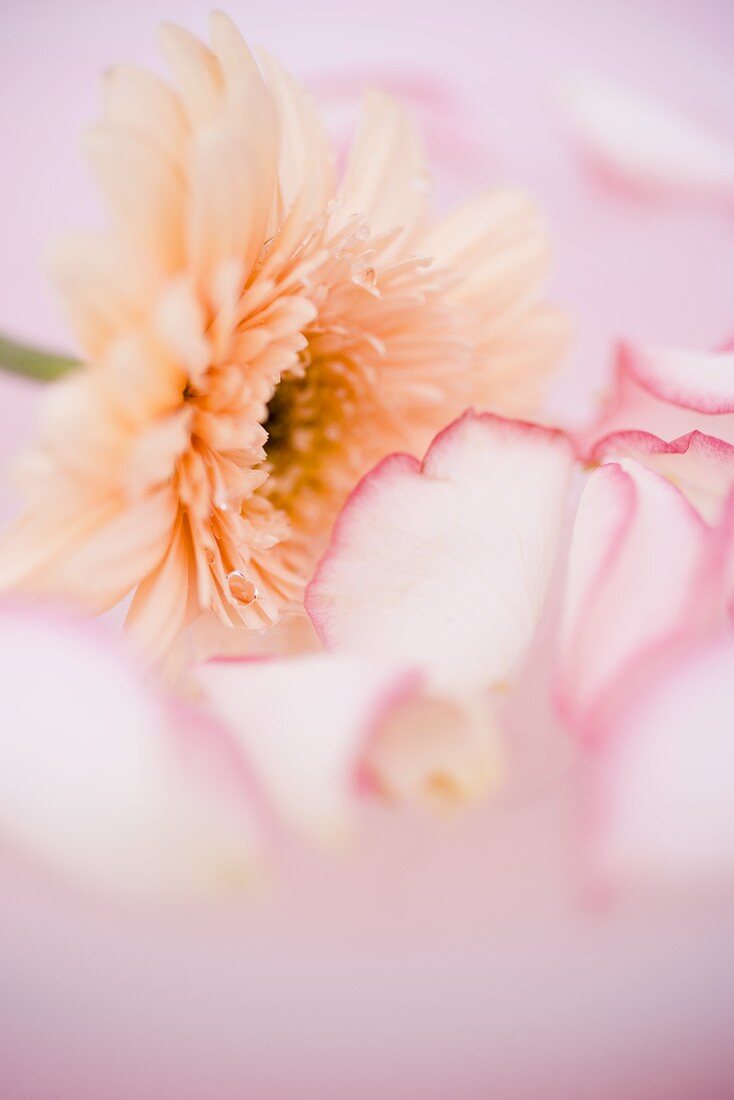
(497, 245)
(258, 336)
(386, 177)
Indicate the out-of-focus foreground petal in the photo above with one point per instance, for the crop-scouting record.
(446, 563)
(644, 144)
(103, 779)
(305, 724)
(644, 569)
(665, 771)
(670, 392)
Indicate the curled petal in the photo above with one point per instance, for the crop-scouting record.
(697, 380)
(386, 176)
(644, 144)
(446, 563)
(641, 572)
(664, 772)
(702, 466)
(97, 779)
(437, 752)
(304, 725)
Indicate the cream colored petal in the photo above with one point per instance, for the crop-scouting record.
(181, 323)
(196, 71)
(233, 188)
(386, 174)
(498, 249)
(482, 226)
(305, 159)
(107, 284)
(514, 369)
(101, 569)
(155, 450)
(141, 379)
(144, 189)
(161, 602)
(241, 75)
(145, 104)
(31, 546)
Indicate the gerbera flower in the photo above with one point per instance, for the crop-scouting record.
(257, 336)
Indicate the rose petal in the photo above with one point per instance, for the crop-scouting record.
(436, 752)
(643, 143)
(641, 571)
(665, 771)
(304, 724)
(700, 465)
(446, 564)
(94, 779)
(670, 392)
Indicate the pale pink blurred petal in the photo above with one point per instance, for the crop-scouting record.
(437, 752)
(665, 772)
(304, 725)
(446, 563)
(386, 174)
(643, 143)
(669, 392)
(101, 778)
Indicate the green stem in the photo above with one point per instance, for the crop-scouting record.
(32, 362)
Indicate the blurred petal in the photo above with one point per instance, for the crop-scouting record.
(144, 190)
(304, 724)
(641, 572)
(93, 778)
(698, 380)
(305, 158)
(498, 245)
(436, 752)
(446, 564)
(645, 144)
(386, 175)
(665, 772)
(669, 393)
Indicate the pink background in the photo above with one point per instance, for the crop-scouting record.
(440, 959)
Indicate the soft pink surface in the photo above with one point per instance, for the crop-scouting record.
(440, 959)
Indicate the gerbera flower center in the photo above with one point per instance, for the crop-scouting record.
(307, 425)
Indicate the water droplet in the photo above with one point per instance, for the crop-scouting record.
(365, 277)
(242, 590)
(222, 504)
